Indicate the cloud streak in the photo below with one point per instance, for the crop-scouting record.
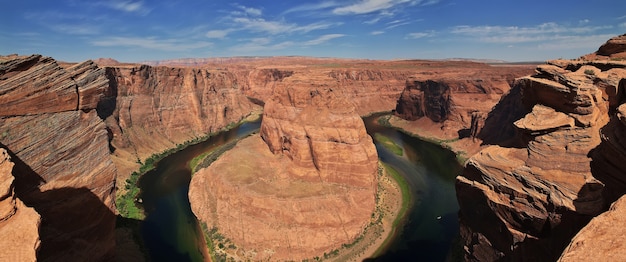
(515, 34)
(322, 39)
(367, 6)
(150, 43)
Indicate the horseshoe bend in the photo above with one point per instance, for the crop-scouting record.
(540, 143)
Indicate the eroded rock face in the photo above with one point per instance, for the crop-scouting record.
(526, 196)
(155, 108)
(455, 98)
(303, 187)
(602, 238)
(18, 223)
(60, 146)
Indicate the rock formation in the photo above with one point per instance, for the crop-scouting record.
(601, 239)
(18, 223)
(545, 174)
(304, 192)
(60, 149)
(152, 109)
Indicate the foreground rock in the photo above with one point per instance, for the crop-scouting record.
(18, 223)
(50, 126)
(310, 192)
(527, 195)
(602, 238)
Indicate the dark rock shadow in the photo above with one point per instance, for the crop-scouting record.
(75, 224)
(498, 128)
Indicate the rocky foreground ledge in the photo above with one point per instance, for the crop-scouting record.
(302, 188)
(555, 161)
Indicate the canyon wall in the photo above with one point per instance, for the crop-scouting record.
(548, 169)
(302, 188)
(152, 109)
(50, 127)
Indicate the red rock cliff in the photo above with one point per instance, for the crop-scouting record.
(153, 109)
(59, 144)
(544, 177)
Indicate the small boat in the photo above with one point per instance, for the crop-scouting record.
(438, 217)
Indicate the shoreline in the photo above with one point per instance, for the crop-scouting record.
(393, 202)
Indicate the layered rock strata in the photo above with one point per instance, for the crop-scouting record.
(302, 188)
(526, 196)
(153, 109)
(60, 147)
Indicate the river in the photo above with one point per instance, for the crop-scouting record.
(171, 232)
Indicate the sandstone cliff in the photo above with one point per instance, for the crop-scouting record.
(527, 195)
(152, 109)
(59, 145)
(307, 190)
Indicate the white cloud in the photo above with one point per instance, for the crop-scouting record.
(277, 27)
(249, 10)
(515, 34)
(367, 6)
(150, 43)
(217, 34)
(128, 6)
(323, 39)
(590, 42)
(312, 7)
(419, 35)
(623, 25)
(377, 32)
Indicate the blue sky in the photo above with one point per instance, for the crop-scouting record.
(136, 30)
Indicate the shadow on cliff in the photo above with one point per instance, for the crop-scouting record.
(498, 128)
(75, 224)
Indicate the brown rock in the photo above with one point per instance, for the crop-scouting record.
(153, 109)
(311, 192)
(18, 223)
(602, 238)
(63, 168)
(526, 197)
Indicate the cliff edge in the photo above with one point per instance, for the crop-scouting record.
(544, 173)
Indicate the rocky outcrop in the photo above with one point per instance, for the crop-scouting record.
(425, 99)
(18, 223)
(602, 238)
(307, 186)
(60, 147)
(614, 49)
(156, 108)
(454, 100)
(527, 195)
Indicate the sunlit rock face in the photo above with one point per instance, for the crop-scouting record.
(552, 166)
(50, 126)
(302, 188)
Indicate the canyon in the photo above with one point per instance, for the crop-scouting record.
(545, 151)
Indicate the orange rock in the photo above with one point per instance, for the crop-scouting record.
(311, 192)
(18, 223)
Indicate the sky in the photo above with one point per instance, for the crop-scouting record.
(137, 30)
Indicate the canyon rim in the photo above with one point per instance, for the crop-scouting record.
(543, 176)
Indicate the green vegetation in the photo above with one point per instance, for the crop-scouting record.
(589, 72)
(406, 204)
(461, 156)
(389, 144)
(216, 241)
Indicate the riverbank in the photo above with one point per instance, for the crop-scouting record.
(130, 211)
(424, 129)
(393, 200)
